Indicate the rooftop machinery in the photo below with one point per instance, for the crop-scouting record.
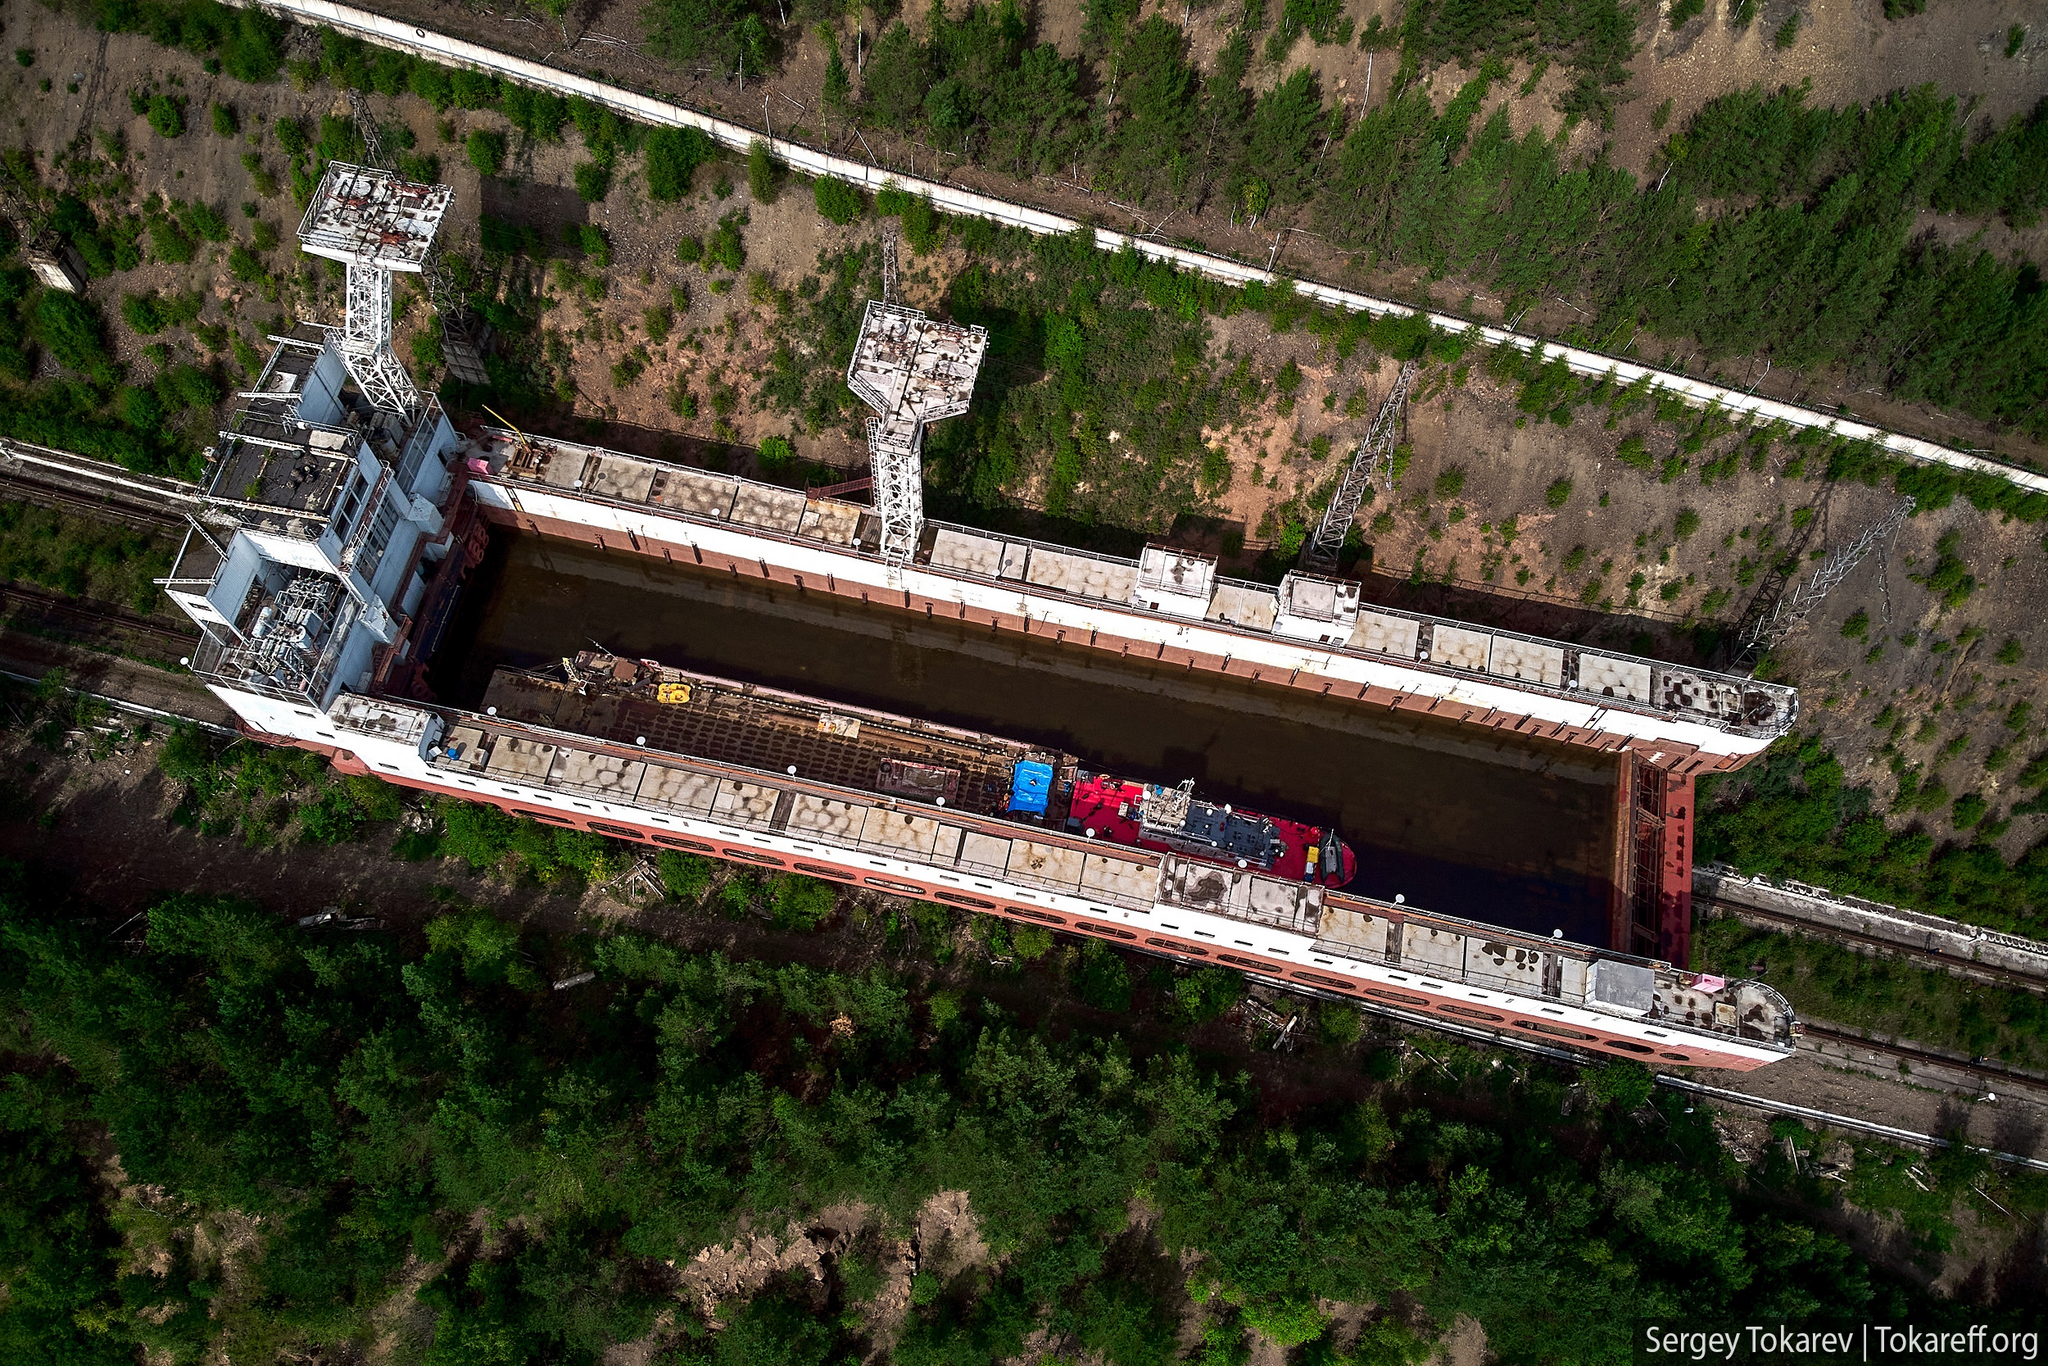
(911, 371)
(374, 223)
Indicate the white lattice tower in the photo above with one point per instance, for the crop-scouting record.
(374, 223)
(1321, 552)
(911, 371)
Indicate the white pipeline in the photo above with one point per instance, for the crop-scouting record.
(648, 109)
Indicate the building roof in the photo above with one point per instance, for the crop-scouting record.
(373, 217)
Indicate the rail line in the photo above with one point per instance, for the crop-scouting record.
(57, 605)
(1671, 1080)
(1988, 973)
(137, 515)
(1913, 1053)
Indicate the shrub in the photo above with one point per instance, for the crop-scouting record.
(1619, 1082)
(486, 152)
(166, 115)
(764, 176)
(141, 314)
(205, 222)
(837, 201)
(801, 903)
(673, 156)
(168, 243)
(71, 328)
(685, 877)
(1101, 979)
(923, 227)
(593, 181)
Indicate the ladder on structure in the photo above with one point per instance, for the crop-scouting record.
(1320, 554)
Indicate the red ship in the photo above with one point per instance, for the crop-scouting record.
(1174, 820)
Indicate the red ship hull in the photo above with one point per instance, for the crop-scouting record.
(1107, 807)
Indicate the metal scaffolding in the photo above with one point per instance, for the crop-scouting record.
(911, 371)
(1321, 553)
(1765, 628)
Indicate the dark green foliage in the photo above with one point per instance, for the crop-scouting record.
(728, 34)
(166, 114)
(71, 329)
(1883, 994)
(764, 174)
(686, 877)
(369, 1096)
(725, 247)
(1793, 815)
(82, 558)
(673, 156)
(486, 151)
(837, 201)
(1101, 978)
(593, 181)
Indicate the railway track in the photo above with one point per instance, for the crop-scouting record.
(136, 514)
(1989, 973)
(1913, 1054)
(55, 606)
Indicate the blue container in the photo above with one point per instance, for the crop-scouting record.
(1031, 787)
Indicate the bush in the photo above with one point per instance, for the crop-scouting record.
(673, 156)
(1619, 1082)
(593, 181)
(837, 201)
(1203, 995)
(1101, 979)
(71, 329)
(685, 877)
(801, 903)
(166, 115)
(486, 152)
(169, 244)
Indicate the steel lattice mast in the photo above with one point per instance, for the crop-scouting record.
(458, 344)
(1321, 553)
(1768, 628)
(375, 224)
(911, 370)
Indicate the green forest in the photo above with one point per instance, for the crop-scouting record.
(334, 1136)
